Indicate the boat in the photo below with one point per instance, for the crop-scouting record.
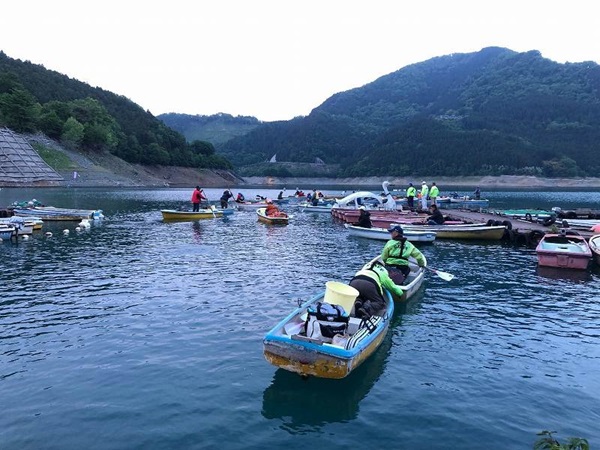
(57, 214)
(22, 225)
(173, 215)
(465, 203)
(251, 206)
(383, 234)
(7, 232)
(287, 345)
(463, 231)
(323, 208)
(273, 220)
(595, 247)
(567, 249)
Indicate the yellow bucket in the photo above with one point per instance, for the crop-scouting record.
(342, 294)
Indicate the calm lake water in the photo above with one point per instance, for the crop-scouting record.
(139, 334)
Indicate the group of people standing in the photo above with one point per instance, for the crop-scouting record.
(426, 193)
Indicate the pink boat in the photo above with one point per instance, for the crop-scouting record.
(567, 250)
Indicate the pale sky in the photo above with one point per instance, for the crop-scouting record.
(275, 59)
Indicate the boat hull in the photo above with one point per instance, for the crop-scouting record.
(595, 248)
(271, 220)
(383, 234)
(58, 214)
(173, 215)
(479, 232)
(563, 251)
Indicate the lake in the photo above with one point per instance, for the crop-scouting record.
(141, 334)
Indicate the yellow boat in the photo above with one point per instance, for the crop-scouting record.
(171, 214)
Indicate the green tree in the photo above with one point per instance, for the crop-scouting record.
(72, 133)
(20, 111)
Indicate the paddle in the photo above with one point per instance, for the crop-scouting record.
(443, 275)
(212, 209)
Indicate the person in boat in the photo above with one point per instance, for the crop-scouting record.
(424, 195)
(411, 193)
(197, 197)
(370, 284)
(240, 198)
(225, 198)
(280, 195)
(314, 200)
(272, 210)
(396, 252)
(364, 219)
(436, 217)
(477, 193)
(434, 193)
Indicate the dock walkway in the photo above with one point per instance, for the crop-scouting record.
(519, 231)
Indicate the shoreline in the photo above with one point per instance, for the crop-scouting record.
(106, 170)
(493, 182)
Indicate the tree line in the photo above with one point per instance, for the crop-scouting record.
(33, 99)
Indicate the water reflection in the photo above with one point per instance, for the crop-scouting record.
(558, 273)
(307, 404)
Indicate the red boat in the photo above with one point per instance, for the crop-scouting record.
(566, 249)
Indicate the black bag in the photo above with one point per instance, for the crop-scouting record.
(326, 320)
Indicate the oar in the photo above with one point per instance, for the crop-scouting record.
(443, 275)
(212, 209)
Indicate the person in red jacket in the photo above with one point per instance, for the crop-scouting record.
(197, 197)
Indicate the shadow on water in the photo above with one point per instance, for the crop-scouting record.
(558, 273)
(305, 404)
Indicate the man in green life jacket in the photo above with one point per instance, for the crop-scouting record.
(434, 193)
(370, 283)
(411, 193)
(396, 252)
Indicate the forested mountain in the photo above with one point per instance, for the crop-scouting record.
(33, 99)
(486, 113)
(217, 128)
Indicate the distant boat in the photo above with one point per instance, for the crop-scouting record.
(58, 214)
(172, 214)
(273, 220)
(383, 234)
(464, 231)
(566, 249)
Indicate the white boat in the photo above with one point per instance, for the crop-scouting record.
(307, 207)
(58, 214)
(6, 232)
(383, 234)
(21, 224)
(251, 206)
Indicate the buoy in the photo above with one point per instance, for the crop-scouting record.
(77, 228)
(65, 231)
(48, 234)
(25, 237)
(85, 223)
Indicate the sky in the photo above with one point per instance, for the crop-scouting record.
(275, 59)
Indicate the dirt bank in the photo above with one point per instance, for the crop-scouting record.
(96, 170)
(504, 181)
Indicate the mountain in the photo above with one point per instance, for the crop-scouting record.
(217, 128)
(33, 98)
(492, 112)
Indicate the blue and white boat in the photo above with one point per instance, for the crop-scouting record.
(290, 344)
